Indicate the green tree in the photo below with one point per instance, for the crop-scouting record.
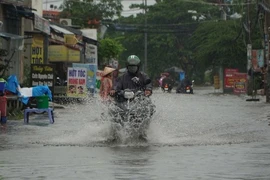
(195, 42)
(223, 43)
(216, 44)
(87, 13)
(169, 26)
(109, 49)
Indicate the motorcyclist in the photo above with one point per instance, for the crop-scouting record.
(183, 84)
(169, 81)
(133, 78)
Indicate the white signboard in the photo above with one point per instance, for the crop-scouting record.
(76, 85)
(90, 54)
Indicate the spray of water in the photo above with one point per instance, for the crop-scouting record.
(175, 123)
(96, 128)
(91, 125)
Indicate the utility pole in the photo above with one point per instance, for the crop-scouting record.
(145, 36)
(221, 68)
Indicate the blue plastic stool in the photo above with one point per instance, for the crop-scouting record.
(35, 110)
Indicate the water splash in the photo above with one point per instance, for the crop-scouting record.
(175, 123)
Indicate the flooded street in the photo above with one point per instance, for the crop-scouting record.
(201, 136)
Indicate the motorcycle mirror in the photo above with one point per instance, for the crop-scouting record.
(193, 81)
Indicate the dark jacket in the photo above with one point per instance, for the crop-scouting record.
(185, 82)
(125, 82)
(168, 81)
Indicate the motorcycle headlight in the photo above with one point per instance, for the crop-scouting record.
(129, 95)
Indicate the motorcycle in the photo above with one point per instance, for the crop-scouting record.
(188, 89)
(60, 82)
(166, 88)
(131, 114)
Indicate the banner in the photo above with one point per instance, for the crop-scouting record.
(76, 84)
(37, 50)
(57, 53)
(42, 74)
(74, 55)
(70, 39)
(91, 75)
(42, 24)
(216, 82)
(240, 83)
(60, 53)
(90, 53)
(257, 60)
(229, 77)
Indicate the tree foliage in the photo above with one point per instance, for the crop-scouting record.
(169, 27)
(218, 44)
(109, 49)
(196, 41)
(192, 35)
(223, 43)
(87, 13)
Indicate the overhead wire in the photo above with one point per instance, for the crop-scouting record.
(216, 4)
(166, 25)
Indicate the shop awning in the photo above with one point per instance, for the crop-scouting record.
(64, 31)
(15, 42)
(14, 11)
(9, 36)
(90, 41)
(75, 31)
(60, 30)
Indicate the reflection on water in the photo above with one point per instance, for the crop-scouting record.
(199, 136)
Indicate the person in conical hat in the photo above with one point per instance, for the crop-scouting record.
(107, 70)
(106, 83)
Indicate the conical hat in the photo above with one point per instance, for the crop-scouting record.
(107, 70)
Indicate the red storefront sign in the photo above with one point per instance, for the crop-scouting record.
(240, 83)
(229, 77)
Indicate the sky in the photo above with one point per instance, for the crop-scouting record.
(126, 4)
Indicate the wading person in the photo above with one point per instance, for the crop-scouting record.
(106, 83)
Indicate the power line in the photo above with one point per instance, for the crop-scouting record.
(163, 25)
(218, 4)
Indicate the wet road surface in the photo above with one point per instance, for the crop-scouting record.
(201, 136)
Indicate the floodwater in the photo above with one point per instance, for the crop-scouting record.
(203, 136)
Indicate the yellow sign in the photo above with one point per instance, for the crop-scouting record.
(70, 39)
(73, 55)
(57, 53)
(216, 82)
(60, 53)
(37, 50)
